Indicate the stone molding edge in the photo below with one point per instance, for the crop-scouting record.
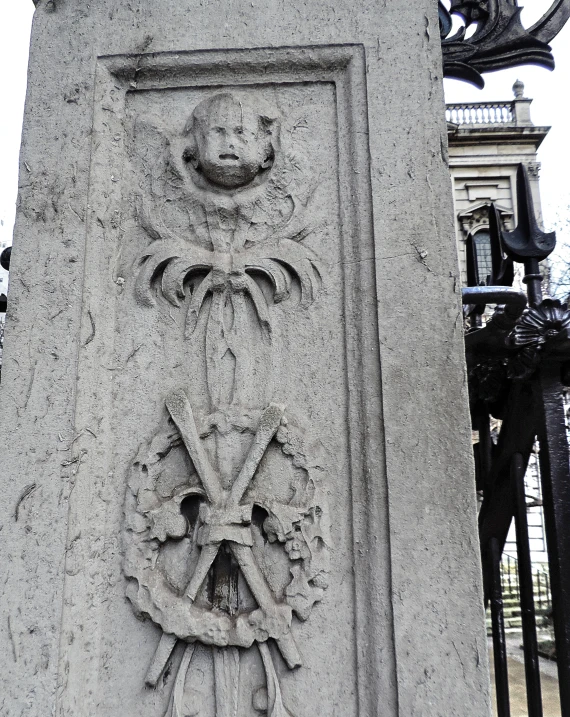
(149, 70)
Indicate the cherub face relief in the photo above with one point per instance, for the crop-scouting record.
(230, 143)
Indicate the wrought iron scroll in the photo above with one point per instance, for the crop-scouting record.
(500, 40)
(515, 366)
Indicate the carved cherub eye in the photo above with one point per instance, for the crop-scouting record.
(266, 125)
(219, 130)
(238, 130)
(189, 154)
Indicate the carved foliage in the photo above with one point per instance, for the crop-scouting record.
(177, 513)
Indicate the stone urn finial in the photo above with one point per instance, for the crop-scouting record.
(518, 90)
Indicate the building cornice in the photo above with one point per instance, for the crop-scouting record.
(493, 134)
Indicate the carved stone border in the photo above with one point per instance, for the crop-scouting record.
(117, 75)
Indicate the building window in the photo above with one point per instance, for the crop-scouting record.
(482, 241)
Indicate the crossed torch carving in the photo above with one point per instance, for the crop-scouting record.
(226, 520)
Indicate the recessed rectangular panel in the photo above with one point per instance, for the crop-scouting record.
(235, 403)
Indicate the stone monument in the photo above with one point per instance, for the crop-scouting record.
(235, 462)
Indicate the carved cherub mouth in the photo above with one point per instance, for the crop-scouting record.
(233, 157)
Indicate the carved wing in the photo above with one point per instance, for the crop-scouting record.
(163, 191)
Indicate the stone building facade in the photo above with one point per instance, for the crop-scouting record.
(487, 142)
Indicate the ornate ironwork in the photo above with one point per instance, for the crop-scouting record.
(516, 363)
(5, 264)
(5, 258)
(500, 39)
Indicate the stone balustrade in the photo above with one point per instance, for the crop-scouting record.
(480, 113)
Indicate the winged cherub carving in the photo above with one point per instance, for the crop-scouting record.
(245, 205)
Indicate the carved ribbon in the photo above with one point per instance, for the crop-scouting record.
(226, 520)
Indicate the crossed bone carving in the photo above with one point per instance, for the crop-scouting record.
(226, 520)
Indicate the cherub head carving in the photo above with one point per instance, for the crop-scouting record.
(231, 143)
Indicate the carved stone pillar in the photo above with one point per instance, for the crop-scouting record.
(235, 452)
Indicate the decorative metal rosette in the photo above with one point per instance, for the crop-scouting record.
(539, 325)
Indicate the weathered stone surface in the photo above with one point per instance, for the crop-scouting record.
(233, 380)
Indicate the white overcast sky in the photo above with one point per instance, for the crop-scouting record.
(549, 90)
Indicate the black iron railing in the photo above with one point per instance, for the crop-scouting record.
(542, 595)
(510, 577)
(515, 363)
(510, 584)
